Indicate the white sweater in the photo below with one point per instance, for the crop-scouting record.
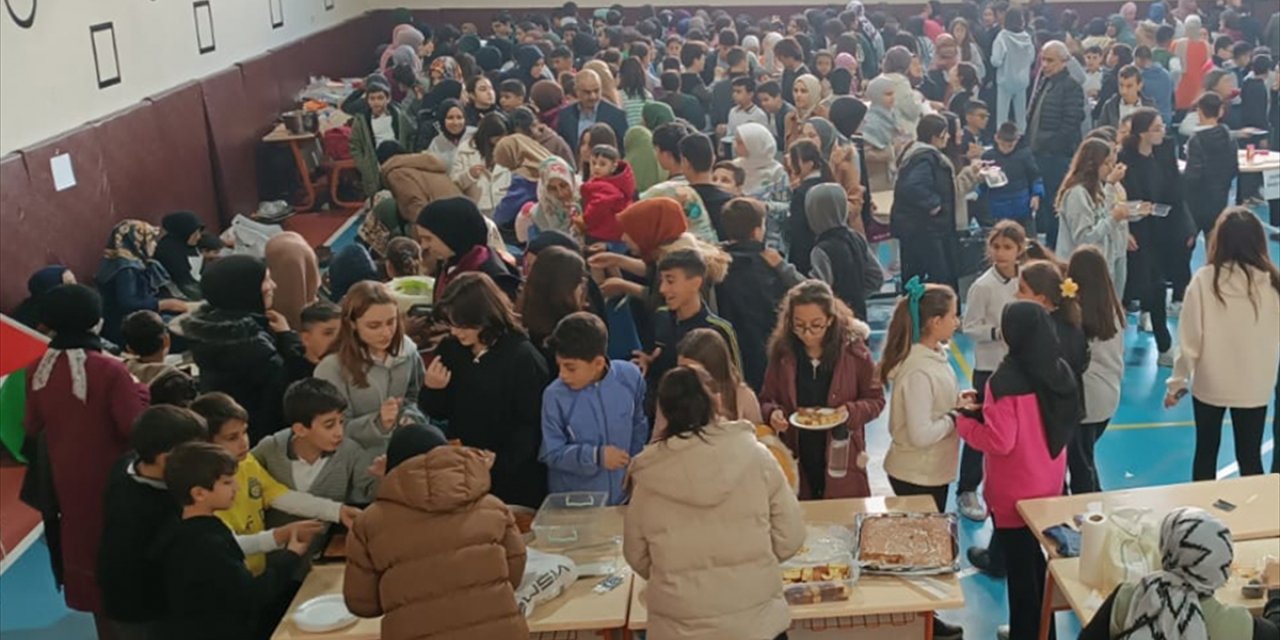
(924, 441)
(1229, 350)
(1102, 378)
(988, 296)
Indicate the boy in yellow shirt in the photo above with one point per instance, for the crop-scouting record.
(256, 490)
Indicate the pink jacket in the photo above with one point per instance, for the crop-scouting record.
(1017, 466)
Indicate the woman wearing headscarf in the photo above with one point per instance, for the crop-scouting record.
(883, 132)
(638, 145)
(40, 283)
(489, 58)
(558, 204)
(455, 239)
(808, 96)
(770, 63)
(84, 403)
(350, 265)
(756, 151)
(548, 97)
(1192, 55)
(1123, 32)
(452, 131)
(176, 251)
(842, 157)
(402, 35)
(530, 66)
(444, 68)
(130, 279)
(908, 106)
(296, 272)
(521, 155)
(608, 85)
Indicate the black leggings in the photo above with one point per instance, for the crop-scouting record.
(1080, 459)
(1247, 425)
(938, 493)
(1026, 566)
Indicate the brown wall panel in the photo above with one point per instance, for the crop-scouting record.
(233, 135)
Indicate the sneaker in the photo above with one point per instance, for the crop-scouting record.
(1002, 632)
(944, 631)
(971, 506)
(1165, 359)
(1144, 322)
(981, 560)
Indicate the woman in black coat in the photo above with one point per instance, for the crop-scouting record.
(176, 251)
(924, 206)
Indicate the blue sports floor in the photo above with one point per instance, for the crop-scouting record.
(1144, 446)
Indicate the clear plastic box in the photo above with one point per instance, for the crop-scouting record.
(567, 520)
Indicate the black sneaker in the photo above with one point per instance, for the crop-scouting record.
(944, 631)
(981, 560)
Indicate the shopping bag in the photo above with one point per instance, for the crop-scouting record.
(546, 576)
(1133, 546)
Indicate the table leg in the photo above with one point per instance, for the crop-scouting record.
(305, 176)
(1046, 609)
(928, 625)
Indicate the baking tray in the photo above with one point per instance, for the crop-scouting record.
(873, 567)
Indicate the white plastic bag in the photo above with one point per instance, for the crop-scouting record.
(1133, 546)
(250, 236)
(546, 576)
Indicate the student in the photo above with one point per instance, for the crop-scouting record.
(710, 506)
(487, 381)
(455, 237)
(818, 357)
(1020, 197)
(256, 491)
(481, 100)
(1129, 97)
(776, 109)
(976, 116)
(593, 418)
(1102, 320)
(321, 321)
(744, 107)
(705, 348)
(1031, 411)
(808, 169)
(312, 455)
(729, 177)
(137, 508)
(923, 217)
(1156, 82)
(682, 105)
(790, 55)
(175, 388)
(83, 404)
(376, 120)
(697, 156)
(511, 94)
(1230, 342)
(453, 132)
(611, 189)
(693, 58)
(146, 340)
(211, 594)
(633, 90)
(176, 251)
(989, 294)
(1091, 209)
(435, 516)
(840, 256)
(1092, 71)
(757, 280)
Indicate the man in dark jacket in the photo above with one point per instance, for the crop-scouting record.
(1129, 98)
(1212, 164)
(588, 110)
(924, 207)
(1053, 127)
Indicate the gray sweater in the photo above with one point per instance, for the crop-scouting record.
(399, 377)
(344, 478)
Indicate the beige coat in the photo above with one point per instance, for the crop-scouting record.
(436, 555)
(415, 180)
(709, 521)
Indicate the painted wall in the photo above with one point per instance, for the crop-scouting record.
(49, 82)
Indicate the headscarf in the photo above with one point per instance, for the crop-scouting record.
(881, 125)
(527, 56)
(638, 149)
(296, 272)
(826, 207)
(1034, 365)
(73, 312)
(761, 148)
(402, 35)
(489, 58)
(520, 154)
(546, 95)
(771, 39)
(814, 85)
(827, 134)
(946, 53)
(131, 246)
(457, 222)
(751, 44)
(896, 60)
(846, 61)
(651, 223)
(349, 266)
(551, 213)
(1129, 11)
(234, 283)
(172, 250)
(608, 86)
(655, 114)
(504, 48)
(864, 24)
(469, 43)
(45, 279)
(443, 92)
(1195, 556)
(442, 113)
(1124, 33)
(847, 114)
(448, 68)
(1156, 12)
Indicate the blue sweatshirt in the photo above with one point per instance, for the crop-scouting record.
(1013, 200)
(577, 425)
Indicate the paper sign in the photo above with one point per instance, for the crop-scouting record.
(1271, 185)
(64, 177)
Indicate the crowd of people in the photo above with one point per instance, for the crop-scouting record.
(650, 245)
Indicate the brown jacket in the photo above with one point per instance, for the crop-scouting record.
(436, 555)
(416, 179)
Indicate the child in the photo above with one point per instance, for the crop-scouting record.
(1230, 341)
(705, 348)
(730, 177)
(611, 189)
(210, 593)
(922, 454)
(976, 116)
(1031, 411)
(840, 257)
(311, 455)
(818, 357)
(710, 506)
(318, 329)
(137, 507)
(375, 366)
(510, 95)
(1019, 198)
(146, 340)
(987, 298)
(255, 489)
(175, 388)
(776, 108)
(375, 120)
(808, 169)
(593, 418)
(757, 280)
(744, 107)
(211, 247)
(1092, 71)
(1091, 208)
(434, 516)
(1102, 319)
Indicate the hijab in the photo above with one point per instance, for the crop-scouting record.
(296, 272)
(457, 222)
(234, 283)
(760, 160)
(828, 137)
(1034, 366)
(1129, 11)
(608, 86)
(172, 250)
(638, 148)
(526, 57)
(469, 43)
(402, 35)
(651, 223)
(521, 155)
(655, 114)
(771, 64)
(1195, 557)
(489, 58)
(73, 312)
(1124, 33)
(881, 125)
(132, 246)
(751, 44)
(349, 266)
(442, 114)
(826, 207)
(846, 61)
(448, 68)
(440, 93)
(847, 114)
(814, 86)
(946, 52)
(550, 213)
(864, 24)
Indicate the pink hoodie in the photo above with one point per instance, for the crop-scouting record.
(1017, 466)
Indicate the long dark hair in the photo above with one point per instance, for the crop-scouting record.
(938, 300)
(1238, 239)
(553, 290)
(1101, 315)
(1086, 170)
(708, 349)
(472, 300)
(784, 343)
(687, 401)
(1045, 278)
(1140, 123)
(631, 79)
(492, 125)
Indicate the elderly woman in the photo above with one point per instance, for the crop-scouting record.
(130, 279)
(521, 155)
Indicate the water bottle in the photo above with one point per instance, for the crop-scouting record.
(838, 452)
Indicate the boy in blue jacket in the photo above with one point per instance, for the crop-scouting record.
(593, 418)
(1020, 197)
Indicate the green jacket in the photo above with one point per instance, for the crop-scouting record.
(363, 148)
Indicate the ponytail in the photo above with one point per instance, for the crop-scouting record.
(911, 315)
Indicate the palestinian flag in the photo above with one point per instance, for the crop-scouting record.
(20, 347)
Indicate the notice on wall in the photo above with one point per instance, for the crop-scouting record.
(64, 177)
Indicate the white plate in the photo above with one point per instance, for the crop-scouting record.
(323, 613)
(838, 417)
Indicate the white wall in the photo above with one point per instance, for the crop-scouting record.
(48, 82)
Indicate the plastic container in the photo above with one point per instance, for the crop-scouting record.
(824, 570)
(567, 520)
(838, 453)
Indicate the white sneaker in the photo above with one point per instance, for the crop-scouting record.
(971, 506)
(1144, 322)
(1165, 359)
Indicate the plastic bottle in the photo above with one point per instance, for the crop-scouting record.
(838, 452)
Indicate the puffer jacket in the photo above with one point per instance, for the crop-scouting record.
(415, 180)
(710, 519)
(1054, 118)
(488, 189)
(237, 355)
(926, 181)
(436, 555)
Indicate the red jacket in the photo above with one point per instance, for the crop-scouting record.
(604, 198)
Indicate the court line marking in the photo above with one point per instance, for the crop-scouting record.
(1234, 468)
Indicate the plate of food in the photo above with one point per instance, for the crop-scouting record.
(819, 419)
(907, 543)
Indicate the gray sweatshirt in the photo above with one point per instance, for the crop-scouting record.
(343, 478)
(401, 376)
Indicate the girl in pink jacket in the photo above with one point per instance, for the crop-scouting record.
(1032, 409)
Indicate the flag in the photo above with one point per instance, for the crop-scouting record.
(19, 345)
(13, 408)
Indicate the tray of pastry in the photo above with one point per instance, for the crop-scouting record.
(823, 570)
(906, 543)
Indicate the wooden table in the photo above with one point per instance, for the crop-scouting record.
(887, 601)
(1255, 517)
(1085, 600)
(578, 609)
(281, 135)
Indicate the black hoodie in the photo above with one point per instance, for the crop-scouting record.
(748, 298)
(129, 573)
(1212, 164)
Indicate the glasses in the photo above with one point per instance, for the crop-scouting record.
(812, 328)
